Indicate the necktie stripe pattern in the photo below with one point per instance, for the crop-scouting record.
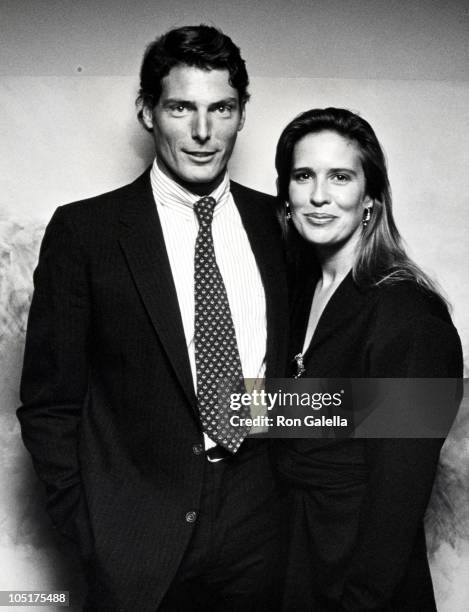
(218, 365)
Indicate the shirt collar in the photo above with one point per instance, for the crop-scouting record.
(170, 194)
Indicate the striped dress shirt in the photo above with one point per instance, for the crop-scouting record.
(234, 257)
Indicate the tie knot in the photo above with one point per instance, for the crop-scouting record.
(204, 208)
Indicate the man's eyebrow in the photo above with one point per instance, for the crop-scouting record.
(229, 100)
(178, 101)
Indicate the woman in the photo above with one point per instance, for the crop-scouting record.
(364, 310)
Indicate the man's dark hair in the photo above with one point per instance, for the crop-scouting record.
(201, 46)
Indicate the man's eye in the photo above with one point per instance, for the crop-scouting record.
(178, 109)
(224, 109)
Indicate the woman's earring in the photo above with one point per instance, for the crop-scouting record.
(366, 216)
(287, 211)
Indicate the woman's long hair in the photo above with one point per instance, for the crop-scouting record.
(381, 257)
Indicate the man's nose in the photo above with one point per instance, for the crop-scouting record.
(319, 193)
(201, 128)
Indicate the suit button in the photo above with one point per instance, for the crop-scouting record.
(197, 449)
(191, 517)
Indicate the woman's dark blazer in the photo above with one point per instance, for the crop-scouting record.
(357, 541)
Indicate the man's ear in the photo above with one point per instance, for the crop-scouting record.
(242, 119)
(147, 117)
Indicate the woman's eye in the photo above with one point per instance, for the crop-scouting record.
(341, 178)
(301, 177)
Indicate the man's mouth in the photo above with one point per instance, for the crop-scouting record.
(201, 155)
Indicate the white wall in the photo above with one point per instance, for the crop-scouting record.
(391, 39)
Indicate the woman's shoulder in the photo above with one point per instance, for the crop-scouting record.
(406, 301)
(412, 334)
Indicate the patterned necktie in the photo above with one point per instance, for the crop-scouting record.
(217, 361)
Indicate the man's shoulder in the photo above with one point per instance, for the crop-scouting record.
(247, 193)
(106, 204)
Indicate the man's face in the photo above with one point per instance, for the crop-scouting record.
(195, 125)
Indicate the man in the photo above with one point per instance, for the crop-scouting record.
(145, 298)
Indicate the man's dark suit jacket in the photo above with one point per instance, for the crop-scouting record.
(109, 412)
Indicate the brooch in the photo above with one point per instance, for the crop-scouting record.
(300, 368)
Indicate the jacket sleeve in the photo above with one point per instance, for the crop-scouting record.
(55, 374)
(401, 471)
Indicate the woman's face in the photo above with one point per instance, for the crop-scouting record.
(327, 189)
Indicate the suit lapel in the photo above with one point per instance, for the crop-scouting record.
(264, 236)
(143, 244)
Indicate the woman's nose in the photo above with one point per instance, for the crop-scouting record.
(319, 193)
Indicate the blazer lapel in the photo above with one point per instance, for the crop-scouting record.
(264, 236)
(144, 248)
(345, 304)
(300, 310)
